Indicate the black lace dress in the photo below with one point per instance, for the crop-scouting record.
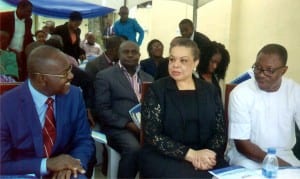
(173, 122)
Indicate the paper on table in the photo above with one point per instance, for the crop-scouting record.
(235, 172)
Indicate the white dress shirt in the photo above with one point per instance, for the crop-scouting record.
(18, 37)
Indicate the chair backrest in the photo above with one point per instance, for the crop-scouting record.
(228, 89)
(8, 86)
(145, 87)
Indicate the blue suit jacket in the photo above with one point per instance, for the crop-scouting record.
(21, 138)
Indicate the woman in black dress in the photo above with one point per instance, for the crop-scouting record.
(183, 122)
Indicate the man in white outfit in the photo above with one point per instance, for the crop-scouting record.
(263, 112)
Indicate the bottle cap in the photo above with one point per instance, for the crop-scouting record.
(271, 150)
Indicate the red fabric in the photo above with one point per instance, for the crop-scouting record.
(7, 23)
(49, 131)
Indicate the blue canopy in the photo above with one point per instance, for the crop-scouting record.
(62, 8)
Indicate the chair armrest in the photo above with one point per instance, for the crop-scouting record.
(99, 137)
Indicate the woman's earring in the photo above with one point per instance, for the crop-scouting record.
(195, 73)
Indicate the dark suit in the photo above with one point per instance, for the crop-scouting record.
(7, 23)
(74, 49)
(114, 98)
(148, 65)
(21, 137)
(201, 40)
(94, 66)
(85, 82)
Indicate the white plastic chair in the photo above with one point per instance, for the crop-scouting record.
(113, 156)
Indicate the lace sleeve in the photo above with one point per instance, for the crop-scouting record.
(153, 129)
(218, 141)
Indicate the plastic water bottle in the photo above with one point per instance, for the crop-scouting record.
(270, 164)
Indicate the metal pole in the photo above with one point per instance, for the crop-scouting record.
(195, 7)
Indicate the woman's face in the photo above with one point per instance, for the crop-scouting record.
(41, 37)
(214, 62)
(181, 63)
(156, 49)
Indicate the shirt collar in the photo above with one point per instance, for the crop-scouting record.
(124, 69)
(192, 36)
(39, 99)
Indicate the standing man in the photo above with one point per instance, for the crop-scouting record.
(127, 27)
(187, 30)
(18, 25)
(118, 89)
(263, 112)
(44, 128)
(108, 29)
(70, 34)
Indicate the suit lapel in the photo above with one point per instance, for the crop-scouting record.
(124, 81)
(30, 113)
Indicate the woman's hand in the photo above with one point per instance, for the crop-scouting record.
(204, 159)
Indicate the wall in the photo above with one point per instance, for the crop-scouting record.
(243, 26)
(161, 22)
(256, 23)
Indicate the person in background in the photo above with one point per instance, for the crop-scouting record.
(128, 27)
(108, 58)
(108, 29)
(8, 61)
(40, 36)
(155, 50)
(51, 26)
(90, 46)
(183, 121)
(187, 30)
(18, 25)
(213, 66)
(118, 89)
(56, 41)
(46, 29)
(43, 123)
(70, 33)
(269, 102)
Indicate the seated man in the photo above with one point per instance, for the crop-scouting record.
(118, 89)
(46, 139)
(263, 112)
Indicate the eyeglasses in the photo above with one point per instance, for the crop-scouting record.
(266, 72)
(64, 76)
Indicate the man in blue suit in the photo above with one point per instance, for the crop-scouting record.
(22, 119)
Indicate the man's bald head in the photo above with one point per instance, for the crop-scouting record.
(44, 58)
(126, 43)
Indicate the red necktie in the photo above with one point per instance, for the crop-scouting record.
(49, 132)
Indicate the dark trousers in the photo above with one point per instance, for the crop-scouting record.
(128, 146)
